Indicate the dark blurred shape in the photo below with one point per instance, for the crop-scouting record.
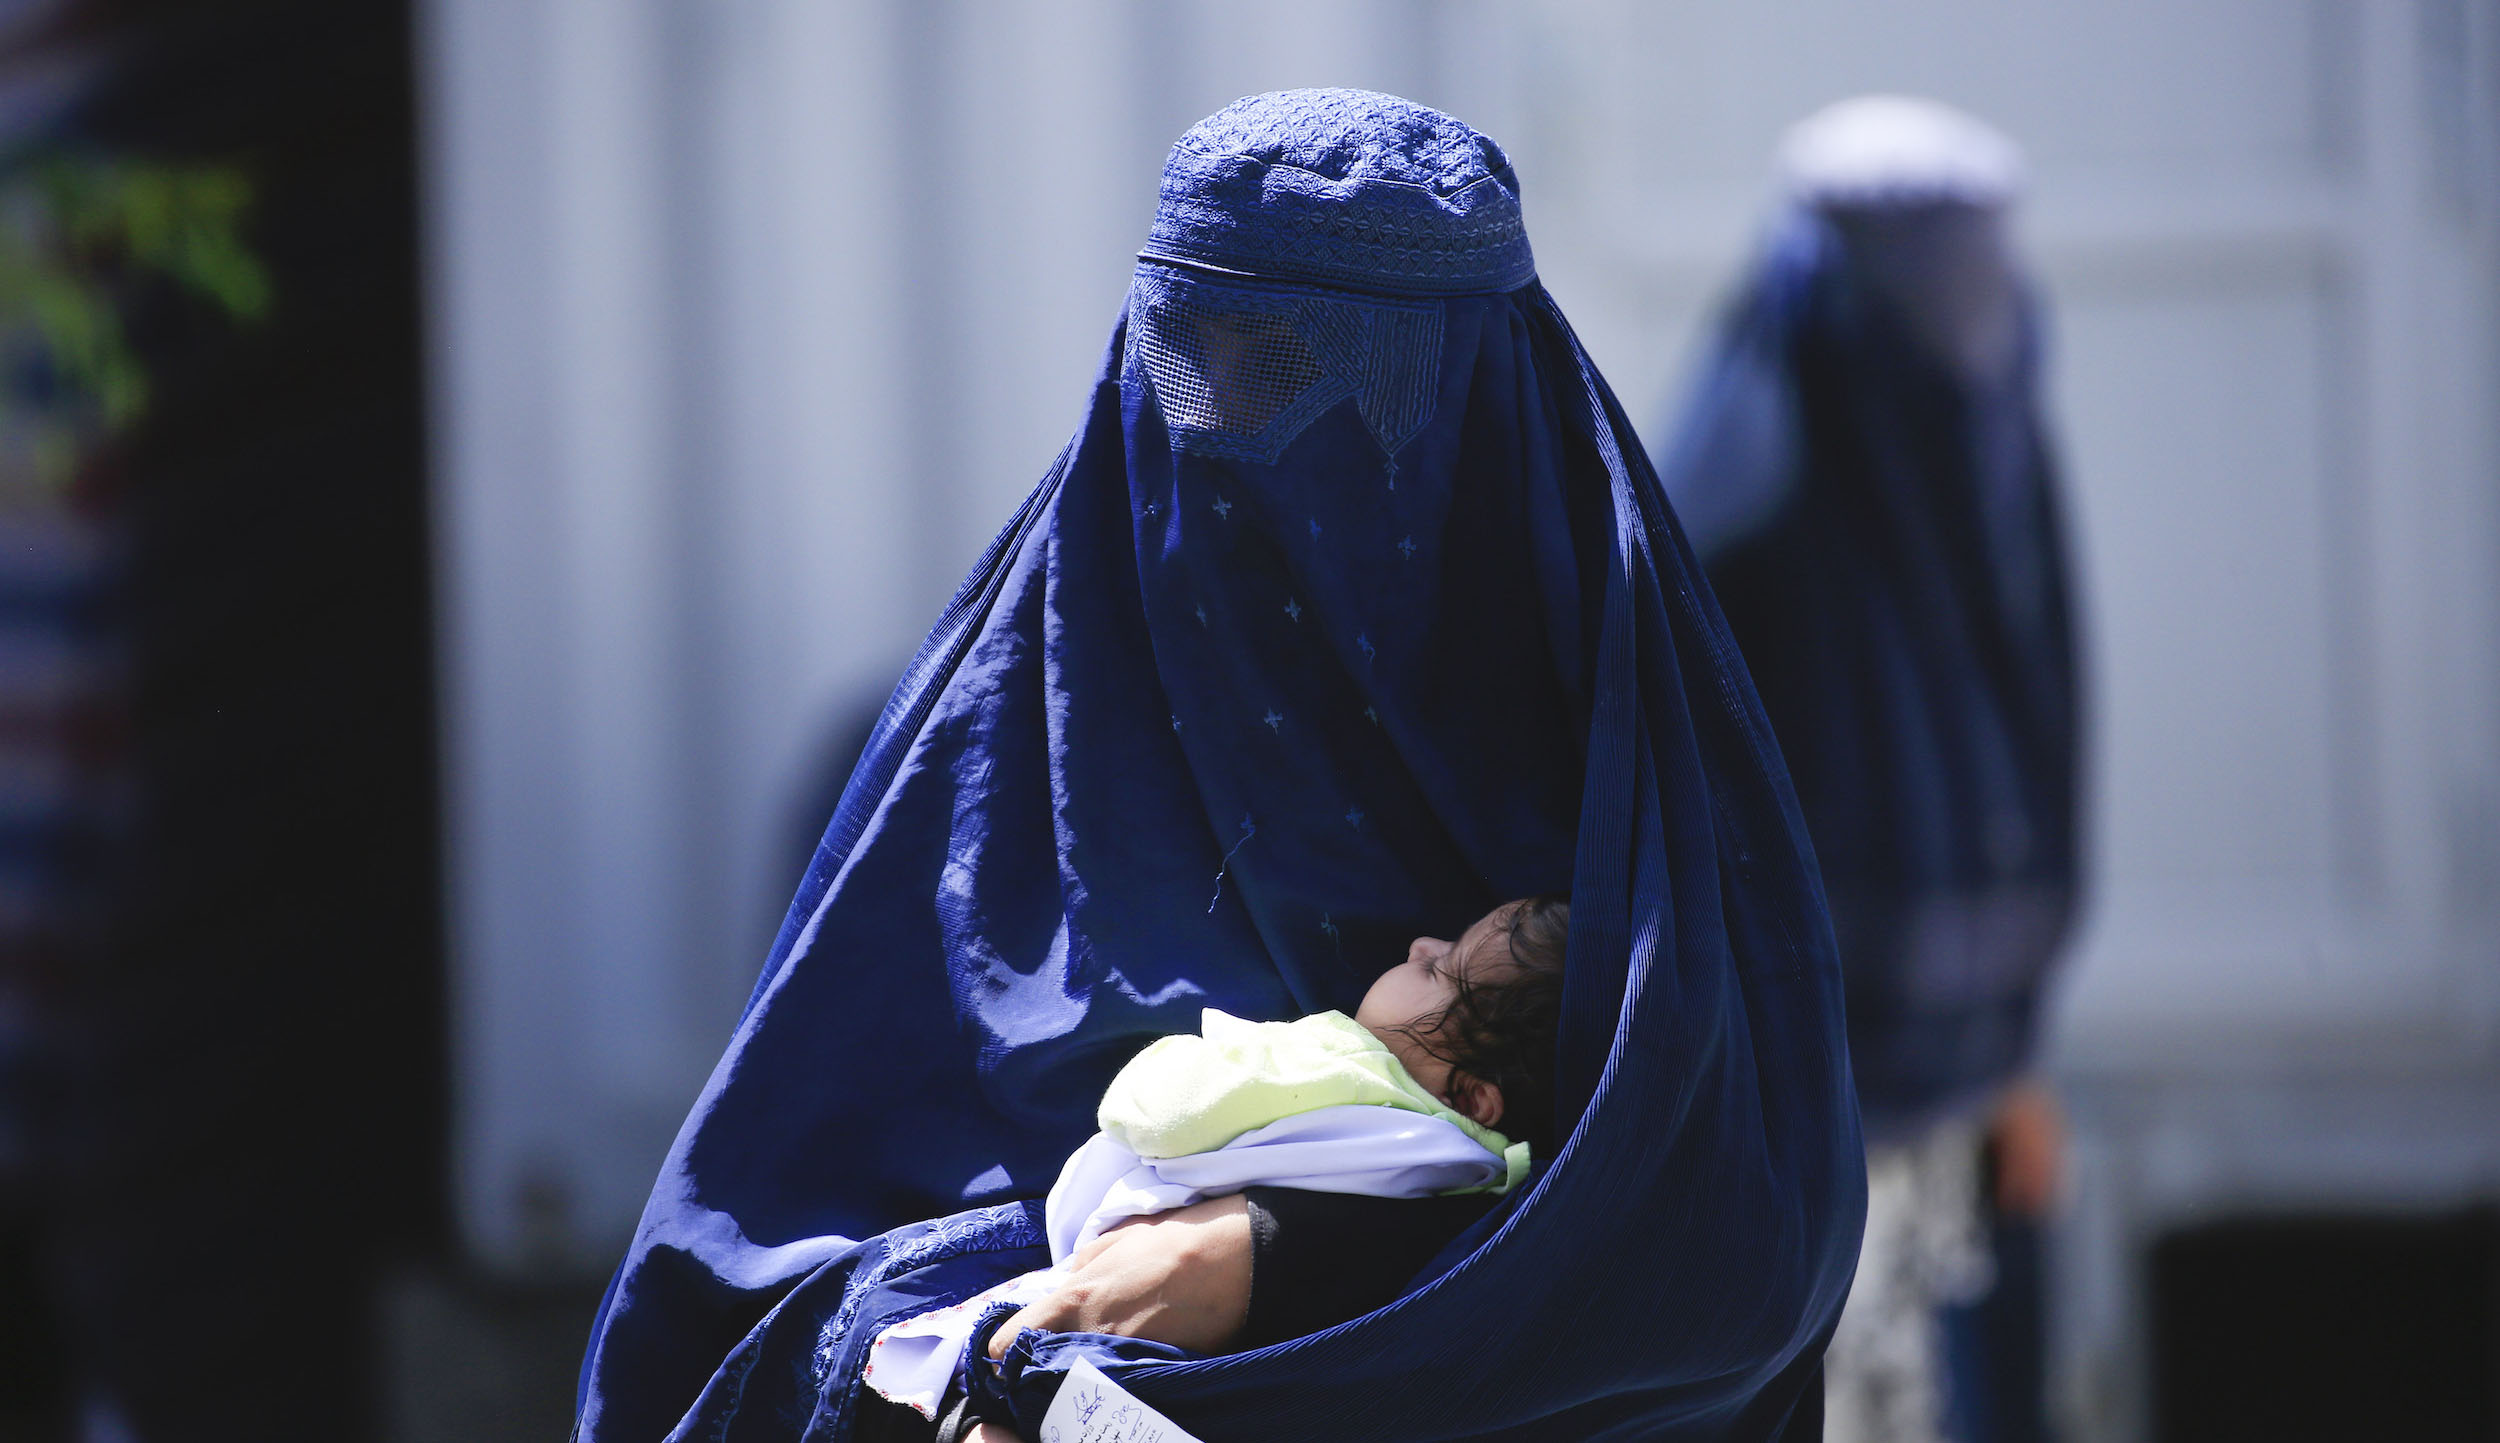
(1865, 473)
(65, 376)
(473, 1361)
(64, 845)
(1867, 476)
(1996, 1349)
(241, 1108)
(2328, 1328)
(35, 1398)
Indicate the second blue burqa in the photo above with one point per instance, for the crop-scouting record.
(1352, 608)
(1878, 509)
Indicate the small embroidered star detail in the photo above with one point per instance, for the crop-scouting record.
(1327, 926)
(1354, 818)
(1223, 509)
(1202, 616)
(1176, 723)
(1375, 716)
(1315, 528)
(1406, 547)
(1275, 719)
(1293, 608)
(1363, 644)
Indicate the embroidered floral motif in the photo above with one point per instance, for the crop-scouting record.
(989, 1230)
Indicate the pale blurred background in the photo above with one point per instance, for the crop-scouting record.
(746, 323)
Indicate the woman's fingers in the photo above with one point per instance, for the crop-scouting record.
(1181, 1278)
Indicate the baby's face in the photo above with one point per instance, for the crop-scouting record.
(1418, 989)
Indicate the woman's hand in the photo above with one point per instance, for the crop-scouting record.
(1181, 1277)
(2029, 1133)
(992, 1433)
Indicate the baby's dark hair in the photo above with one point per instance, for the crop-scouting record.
(1504, 1028)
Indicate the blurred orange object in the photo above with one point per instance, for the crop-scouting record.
(2027, 1142)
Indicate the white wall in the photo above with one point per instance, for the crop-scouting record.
(754, 317)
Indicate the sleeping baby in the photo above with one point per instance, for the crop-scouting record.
(1429, 1090)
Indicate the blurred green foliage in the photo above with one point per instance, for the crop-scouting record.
(78, 237)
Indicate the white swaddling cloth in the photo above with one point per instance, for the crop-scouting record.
(1360, 1148)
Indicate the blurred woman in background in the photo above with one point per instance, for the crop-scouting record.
(1864, 471)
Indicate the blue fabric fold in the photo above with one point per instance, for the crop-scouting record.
(1881, 528)
(1210, 730)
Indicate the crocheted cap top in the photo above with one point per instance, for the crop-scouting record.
(1345, 188)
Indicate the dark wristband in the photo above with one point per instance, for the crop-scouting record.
(1318, 1259)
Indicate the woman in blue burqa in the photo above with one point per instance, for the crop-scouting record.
(1352, 609)
(1864, 470)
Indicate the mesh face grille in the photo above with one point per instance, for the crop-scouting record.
(1228, 373)
(1240, 371)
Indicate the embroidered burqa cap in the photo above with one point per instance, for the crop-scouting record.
(1865, 469)
(1352, 609)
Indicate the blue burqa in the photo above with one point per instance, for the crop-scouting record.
(1352, 609)
(1866, 474)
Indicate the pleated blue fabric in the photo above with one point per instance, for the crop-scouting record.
(1352, 609)
(1881, 527)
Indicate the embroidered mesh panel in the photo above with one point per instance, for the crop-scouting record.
(1241, 370)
